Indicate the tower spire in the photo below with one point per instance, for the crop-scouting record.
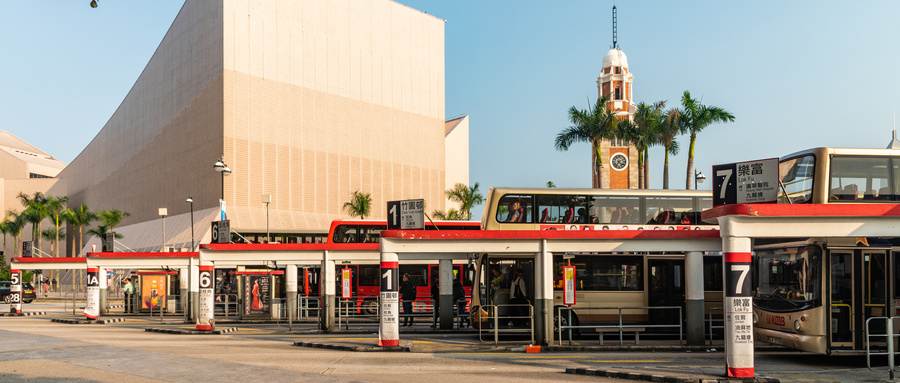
(615, 33)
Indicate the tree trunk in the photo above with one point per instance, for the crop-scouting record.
(690, 166)
(647, 168)
(666, 171)
(640, 169)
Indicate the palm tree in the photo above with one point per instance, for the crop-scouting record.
(360, 205)
(112, 218)
(467, 197)
(35, 212)
(79, 217)
(49, 235)
(450, 215)
(56, 206)
(592, 126)
(550, 185)
(668, 130)
(14, 222)
(101, 229)
(642, 132)
(694, 118)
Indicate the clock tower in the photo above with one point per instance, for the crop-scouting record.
(616, 80)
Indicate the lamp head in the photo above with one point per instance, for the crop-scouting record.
(226, 171)
(189, 200)
(219, 166)
(700, 177)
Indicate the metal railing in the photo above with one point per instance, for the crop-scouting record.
(223, 304)
(508, 324)
(66, 301)
(307, 306)
(621, 326)
(710, 322)
(889, 338)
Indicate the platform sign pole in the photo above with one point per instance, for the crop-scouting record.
(205, 320)
(92, 304)
(389, 329)
(738, 308)
(346, 284)
(15, 291)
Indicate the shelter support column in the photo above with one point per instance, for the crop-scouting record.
(327, 281)
(694, 299)
(103, 278)
(389, 314)
(445, 283)
(738, 307)
(543, 296)
(205, 311)
(194, 281)
(290, 284)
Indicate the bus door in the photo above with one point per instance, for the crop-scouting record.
(666, 288)
(858, 291)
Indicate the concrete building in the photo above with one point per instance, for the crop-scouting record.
(23, 169)
(305, 101)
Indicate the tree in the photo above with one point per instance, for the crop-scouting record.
(56, 206)
(550, 185)
(34, 213)
(694, 118)
(643, 132)
(79, 217)
(591, 125)
(49, 235)
(668, 130)
(450, 215)
(360, 205)
(112, 218)
(14, 223)
(467, 197)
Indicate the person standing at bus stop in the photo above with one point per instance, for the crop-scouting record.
(129, 296)
(408, 295)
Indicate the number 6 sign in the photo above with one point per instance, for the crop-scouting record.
(205, 311)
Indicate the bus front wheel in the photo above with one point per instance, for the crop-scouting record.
(370, 307)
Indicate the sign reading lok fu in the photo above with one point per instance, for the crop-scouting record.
(746, 182)
(406, 214)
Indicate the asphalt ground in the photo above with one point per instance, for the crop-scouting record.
(665, 360)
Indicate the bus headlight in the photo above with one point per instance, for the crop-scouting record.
(797, 325)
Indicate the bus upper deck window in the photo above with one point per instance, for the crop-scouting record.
(515, 209)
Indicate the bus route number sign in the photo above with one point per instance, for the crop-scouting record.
(746, 182)
(406, 214)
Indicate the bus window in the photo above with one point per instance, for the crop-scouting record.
(563, 209)
(616, 209)
(712, 273)
(859, 178)
(605, 273)
(668, 211)
(522, 202)
(789, 279)
(369, 275)
(418, 274)
(797, 176)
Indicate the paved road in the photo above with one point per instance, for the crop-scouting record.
(37, 350)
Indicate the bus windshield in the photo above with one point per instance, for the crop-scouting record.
(789, 279)
(797, 176)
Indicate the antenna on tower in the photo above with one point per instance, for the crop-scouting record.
(615, 33)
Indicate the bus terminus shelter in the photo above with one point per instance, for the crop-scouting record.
(404, 245)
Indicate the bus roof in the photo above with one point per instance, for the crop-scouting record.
(846, 152)
(591, 191)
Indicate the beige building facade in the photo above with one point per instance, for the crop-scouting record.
(305, 101)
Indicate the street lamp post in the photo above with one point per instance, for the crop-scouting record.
(266, 199)
(225, 170)
(163, 212)
(190, 200)
(698, 178)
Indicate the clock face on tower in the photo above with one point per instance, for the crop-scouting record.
(619, 161)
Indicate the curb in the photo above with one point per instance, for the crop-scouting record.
(23, 314)
(353, 348)
(179, 331)
(88, 321)
(660, 378)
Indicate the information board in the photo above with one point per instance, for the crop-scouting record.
(206, 295)
(346, 286)
(92, 303)
(746, 182)
(15, 291)
(221, 232)
(569, 285)
(406, 214)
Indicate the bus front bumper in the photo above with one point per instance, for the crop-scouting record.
(811, 343)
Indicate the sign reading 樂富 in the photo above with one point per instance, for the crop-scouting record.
(746, 182)
(406, 214)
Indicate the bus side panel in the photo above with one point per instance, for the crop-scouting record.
(607, 299)
(778, 329)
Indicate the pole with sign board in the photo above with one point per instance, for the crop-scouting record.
(15, 291)
(746, 182)
(206, 300)
(92, 303)
(346, 285)
(569, 285)
(389, 329)
(406, 214)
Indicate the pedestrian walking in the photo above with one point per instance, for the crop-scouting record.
(129, 296)
(408, 295)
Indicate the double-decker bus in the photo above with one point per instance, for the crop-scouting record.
(815, 294)
(365, 280)
(603, 279)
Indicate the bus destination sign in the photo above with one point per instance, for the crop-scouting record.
(746, 182)
(406, 214)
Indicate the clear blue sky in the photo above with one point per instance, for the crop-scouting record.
(795, 74)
